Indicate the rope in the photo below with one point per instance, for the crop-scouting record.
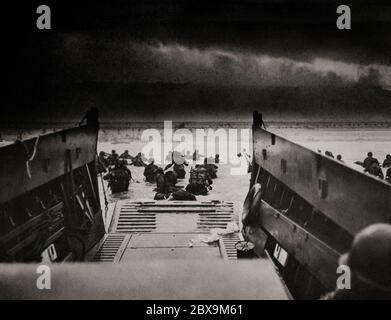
(29, 157)
(103, 188)
(104, 193)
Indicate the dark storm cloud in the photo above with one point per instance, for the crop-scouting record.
(87, 59)
(262, 42)
(97, 50)
(296, 29)
(111, 34)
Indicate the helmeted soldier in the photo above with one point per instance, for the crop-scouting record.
(113, 157)
(119, 177)
(150, 171)
(138, 161)
(126, 155)
(369, 260)
(387, 161)
(178, 163)
(369, 160)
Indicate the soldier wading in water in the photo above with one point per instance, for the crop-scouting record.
(119, 177)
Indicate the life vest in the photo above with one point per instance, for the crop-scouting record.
(200, 173)
(161, 185)
(179, 169)
(119, 180)
(171, 178)
(197, 189)
(150, 173)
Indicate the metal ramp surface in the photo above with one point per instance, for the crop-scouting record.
(170, 216)
(167, 230)
(112, 247)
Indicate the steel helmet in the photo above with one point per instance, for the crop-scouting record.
(370, 256)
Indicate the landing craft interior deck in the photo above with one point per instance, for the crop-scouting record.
(154, 250)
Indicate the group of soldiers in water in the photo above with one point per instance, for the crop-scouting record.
(201, 176)
(200, 181)
(371, 165)
(118, 175)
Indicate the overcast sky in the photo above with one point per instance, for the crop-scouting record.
(244, 42)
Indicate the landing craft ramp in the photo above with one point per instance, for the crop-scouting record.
(155, 249)
(166, 230)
